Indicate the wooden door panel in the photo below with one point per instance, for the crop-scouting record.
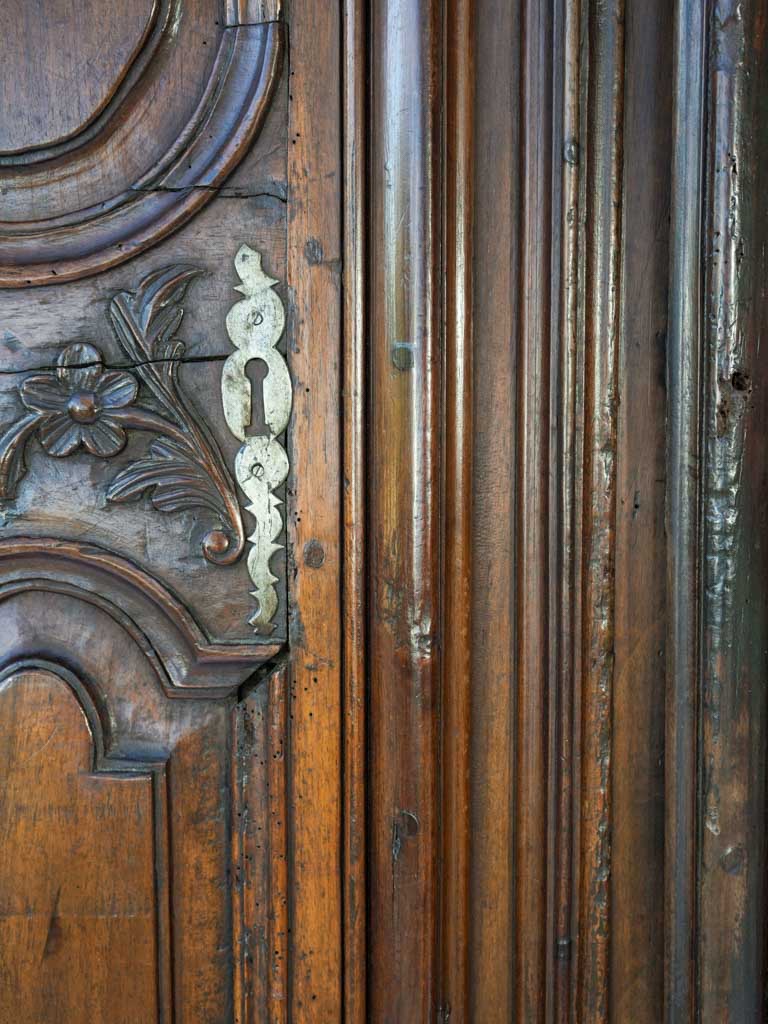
(382, 511)
(148, 341)
(186, 114)
(66, 99)
(133, 731)
(84, 863)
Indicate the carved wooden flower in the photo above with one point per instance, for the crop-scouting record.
(76, 402)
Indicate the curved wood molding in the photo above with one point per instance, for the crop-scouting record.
(404, 456)
(106, 807)
(140, 603)
(220, 132)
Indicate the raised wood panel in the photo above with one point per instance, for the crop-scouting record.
(185, 116)
(135, 728)
(84, 914)
(65, 100)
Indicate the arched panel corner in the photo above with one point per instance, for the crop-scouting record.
(115, 597)
(85, 858)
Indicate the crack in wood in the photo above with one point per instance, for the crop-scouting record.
(51, 367)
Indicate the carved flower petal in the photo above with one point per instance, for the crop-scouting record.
(80, 367)
(44, 393)
(115, 389)
(60, 436)
(104, 437)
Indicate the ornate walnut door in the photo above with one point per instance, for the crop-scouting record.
(383, 417)
(157, 458)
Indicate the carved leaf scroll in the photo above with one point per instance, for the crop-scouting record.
(83, 406)
(255, 325)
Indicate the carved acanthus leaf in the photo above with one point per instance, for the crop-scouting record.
(81, 405)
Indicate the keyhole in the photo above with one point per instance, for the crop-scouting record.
(257, 370)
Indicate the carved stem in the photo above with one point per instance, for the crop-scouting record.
(12, 445)
(222, 478)
(194, 441)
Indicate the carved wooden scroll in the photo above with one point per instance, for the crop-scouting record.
(108, 185)
(255, 325)
(80, 405)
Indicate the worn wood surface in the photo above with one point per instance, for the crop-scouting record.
(495, 297)
(315, 519)
(500, 755)
(458, 447)
(187, 878)
(636, 984)
(355, 591)
(404, 461)
(78, 872)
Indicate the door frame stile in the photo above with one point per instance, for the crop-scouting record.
(315, 525)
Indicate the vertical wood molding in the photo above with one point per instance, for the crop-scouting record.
(315, 525)
(639, 692)
(458, 441)
(603, 155)
(732, 697)
(405, 314)
(278, 931)
(261, 929)
(354, 580)
(716, 707)
(532, 593)
(566, 505)
(682, 512)
(496, 291)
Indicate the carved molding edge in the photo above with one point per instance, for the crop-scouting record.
(82, 405)
(255, 325)
(227, 120)
(187, 662)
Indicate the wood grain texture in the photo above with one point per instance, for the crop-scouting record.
(354, 508)
(566, 508)
(63, 99)
(532, 378)
(496, 273)
(602, 283)
(260, 852)
(83, 881)
(457, 558)
(732, 702)
(637, 861)
(315, 516)
(138, 182)
(506, 761)
(65, 498)
(683, 514)
(80, 590)
(405, 316)
(135, 729)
